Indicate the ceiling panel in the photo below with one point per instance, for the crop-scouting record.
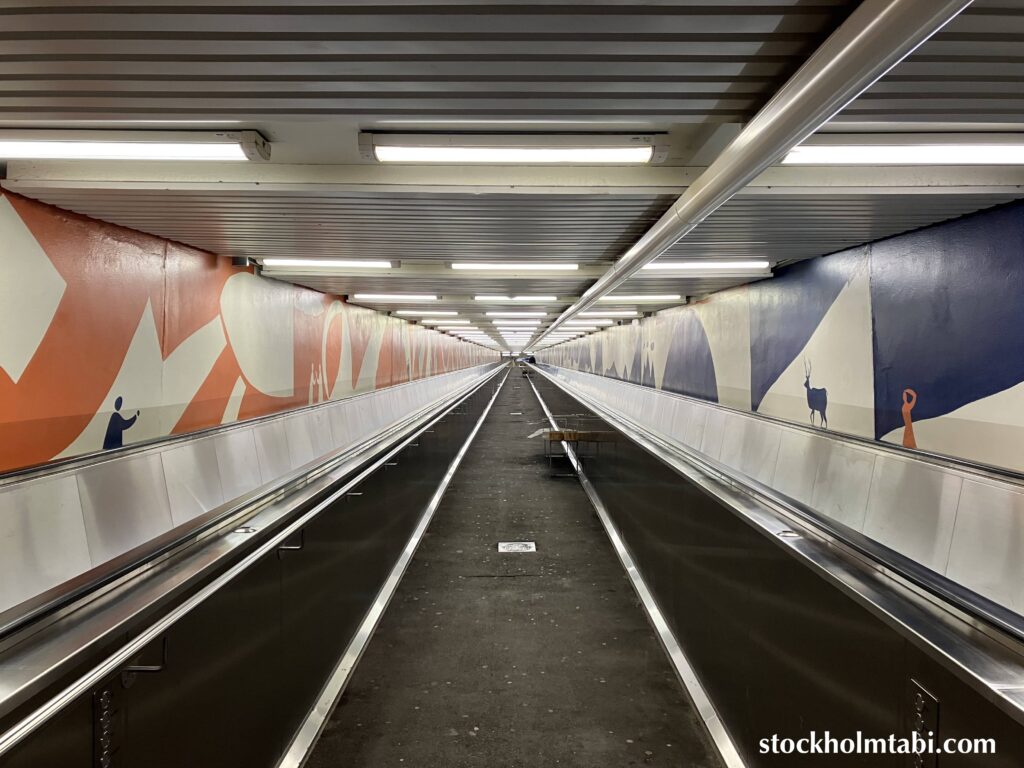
(409, 227)
(968, 73)
(688, 61)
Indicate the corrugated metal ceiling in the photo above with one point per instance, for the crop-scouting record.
(311, 74)
(674, 62)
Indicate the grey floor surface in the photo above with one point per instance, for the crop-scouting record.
(488, 659)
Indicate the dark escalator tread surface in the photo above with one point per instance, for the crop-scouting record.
(519, 660)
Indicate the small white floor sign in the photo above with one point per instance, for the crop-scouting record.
(517, 546)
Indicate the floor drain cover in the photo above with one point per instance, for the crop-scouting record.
(517, 546)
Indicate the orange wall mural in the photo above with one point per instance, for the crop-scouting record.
(109, 336)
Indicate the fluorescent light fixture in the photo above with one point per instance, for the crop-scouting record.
(658, 297)
(610, 313)
(426, 313)
(595, 321)
(578, 327)
(516, 298)
(521, 149)
(395, 297)
(457, 328)
(707, 265)
(515, 266)
(328, 263)
(903, 154)
(517, 314)
(18, 144)
(505, 323)
(436, 320)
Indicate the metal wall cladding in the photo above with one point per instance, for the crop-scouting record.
(40, 520)
(54, 527)
(964, 524)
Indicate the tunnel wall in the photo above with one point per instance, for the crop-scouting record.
(913, 340)
(91, 312)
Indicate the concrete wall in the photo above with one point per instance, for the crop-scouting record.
(916, 340)
(91, 312)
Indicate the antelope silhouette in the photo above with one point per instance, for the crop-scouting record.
(817, 399)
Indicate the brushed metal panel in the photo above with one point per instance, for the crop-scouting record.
(987, 553)
(758, 447)
(842, 483)
(694, 435)
(272, 450)
(684, 413)
(42, 538)
(298, 434)
(797, 465)
(734, 435)
(124, 503)
(320, 431)
(193, 479)
(912, 508)
(341, 429)
(714, 433)
(238, 462)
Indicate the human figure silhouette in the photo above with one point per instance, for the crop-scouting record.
(909, 401)
(116, 426)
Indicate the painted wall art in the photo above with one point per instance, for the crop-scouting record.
(916, 340)
(109, 337)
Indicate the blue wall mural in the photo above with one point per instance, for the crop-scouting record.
(948, 307)
(918, 340)
(786, 310)
(690, 368)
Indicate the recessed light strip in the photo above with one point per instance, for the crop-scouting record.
(517, 266)
(327, 263)
(907, 154)
(224, 146)
(639, 299)
(394, 298)
(707, 265)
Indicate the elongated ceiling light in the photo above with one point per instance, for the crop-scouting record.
(517, 314)
(328, 263)
(448, 321)
(395, 297)
(935, 149)
(655, 298)
(516, 298)
(520, 149)
(707, 265)
(425, 312)
(133, 145)
(516, 266)
(610, 313)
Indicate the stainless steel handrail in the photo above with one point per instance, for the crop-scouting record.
(888, 584)
(51, 652)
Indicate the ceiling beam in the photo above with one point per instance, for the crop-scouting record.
(876, 36)
(48, 177)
